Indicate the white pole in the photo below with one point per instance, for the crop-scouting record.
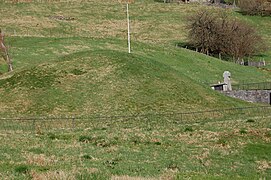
(128, 22)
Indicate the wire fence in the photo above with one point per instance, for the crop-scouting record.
(73, 123)
(252, 86)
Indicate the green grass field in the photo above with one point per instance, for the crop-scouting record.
(79, 66)
(138, 149)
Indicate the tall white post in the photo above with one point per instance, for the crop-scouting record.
(128, 22)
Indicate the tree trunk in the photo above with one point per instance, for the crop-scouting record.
(5, 51)
(9, 62)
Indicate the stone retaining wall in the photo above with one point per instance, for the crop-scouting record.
(257, 96)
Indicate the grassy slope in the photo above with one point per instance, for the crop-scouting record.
(81, 67)
(53, 59)
(100, 78)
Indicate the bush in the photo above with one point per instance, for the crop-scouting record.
(255, 7)
(213, 32)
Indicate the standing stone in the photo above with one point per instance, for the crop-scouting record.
(227, 81)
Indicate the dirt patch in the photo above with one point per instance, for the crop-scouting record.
(263, 165)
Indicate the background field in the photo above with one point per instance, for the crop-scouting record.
(71, 59)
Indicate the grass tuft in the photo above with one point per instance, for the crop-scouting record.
(86, 156)
(243, 131)
(85, 139)
(22, 169)
(188, 129)
(250, 121)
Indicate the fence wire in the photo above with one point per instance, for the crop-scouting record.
(41, 124)
(252, 86)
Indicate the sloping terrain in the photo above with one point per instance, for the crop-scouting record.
(70, 58)
(88, 76)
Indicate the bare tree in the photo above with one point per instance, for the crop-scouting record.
(202, 28)
(255, 7)
(218, 33)
(4, 50)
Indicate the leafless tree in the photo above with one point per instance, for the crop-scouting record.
(202, 29)
(4, 50)
(255, 7)
(218, 33)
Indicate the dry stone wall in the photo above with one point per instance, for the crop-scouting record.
(256, 96)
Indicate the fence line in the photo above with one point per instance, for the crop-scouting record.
(34, 124)
(135, 115)
(252, 86)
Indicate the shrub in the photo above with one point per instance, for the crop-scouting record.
(217, 33)
(255, 7)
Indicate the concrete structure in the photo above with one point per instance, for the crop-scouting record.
(218, 87)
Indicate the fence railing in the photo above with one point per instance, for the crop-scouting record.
(253, 86)
(41, 124)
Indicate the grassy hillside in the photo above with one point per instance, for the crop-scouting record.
(151, 21)
(89, 75)
(71, 58)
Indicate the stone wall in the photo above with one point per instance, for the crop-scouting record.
(257, 96)
(251, 63)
